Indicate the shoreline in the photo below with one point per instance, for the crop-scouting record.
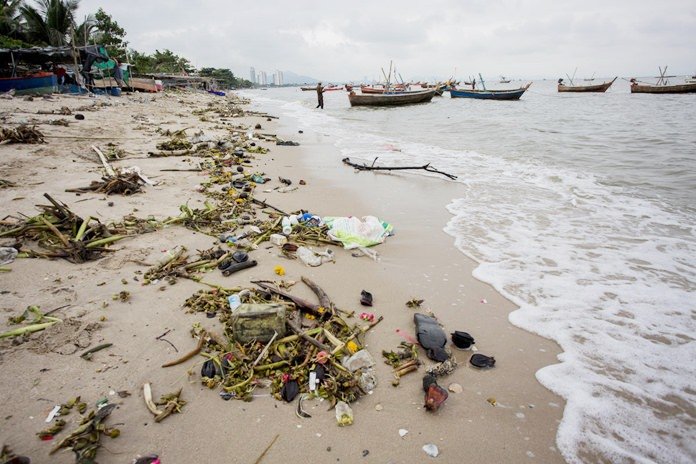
(420, 260)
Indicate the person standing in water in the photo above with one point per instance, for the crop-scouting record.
(320, 96)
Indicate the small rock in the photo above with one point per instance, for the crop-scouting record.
(431, 450)
(455, 388)
(379, 407)
(79, 116)
(257, 126)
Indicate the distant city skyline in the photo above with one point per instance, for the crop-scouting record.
(261, 78)
(520, 39)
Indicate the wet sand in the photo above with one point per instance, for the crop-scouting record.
(419, 261)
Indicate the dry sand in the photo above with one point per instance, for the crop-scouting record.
(419, 261)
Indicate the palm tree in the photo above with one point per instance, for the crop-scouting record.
(10, 18)
(83, 32)
(51, 22)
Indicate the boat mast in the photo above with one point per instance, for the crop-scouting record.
(482, 82)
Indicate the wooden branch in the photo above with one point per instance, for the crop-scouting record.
(306, 337)
(299, 302)
(263, 204)
(324, 299)
(365, 167)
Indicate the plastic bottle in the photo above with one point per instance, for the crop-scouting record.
(285, 223)
(344, 414)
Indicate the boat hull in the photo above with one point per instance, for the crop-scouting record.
(391, 99)
(599, 88)
(513, 94)
(44, 83)
(679, 88)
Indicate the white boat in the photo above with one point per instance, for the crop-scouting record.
(691, 80)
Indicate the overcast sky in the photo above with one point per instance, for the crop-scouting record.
(350, 40)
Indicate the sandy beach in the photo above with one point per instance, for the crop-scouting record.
(502, 415)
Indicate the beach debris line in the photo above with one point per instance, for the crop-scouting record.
(63, 233)
(372, 167)
(21, 134)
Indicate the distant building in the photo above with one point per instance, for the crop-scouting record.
(262, 78)
(252, 75)
(278, 78)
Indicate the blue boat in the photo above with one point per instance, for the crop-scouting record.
(512, 94)
(45, 82)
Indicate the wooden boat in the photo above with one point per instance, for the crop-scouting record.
(391, 98)
(369, 89)
(663, 88)
(584, 88)
(41, 82)
(504, 80)
(307, 88)
(512, 94)
(330, 88)
(662, 85)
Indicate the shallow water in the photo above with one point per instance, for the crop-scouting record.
(580, 209)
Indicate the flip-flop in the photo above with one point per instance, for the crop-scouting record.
(365, 298)
(240, 256)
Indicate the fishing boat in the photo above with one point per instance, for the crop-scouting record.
(40, 82)
(372, 89)
(485, 94)
(504, 80)
(691, 80)
(390, 98)
(663, 88)
(584, 88)
(662, 85)
(330, 88)
(307, 88)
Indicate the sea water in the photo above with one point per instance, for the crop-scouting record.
(580, 208)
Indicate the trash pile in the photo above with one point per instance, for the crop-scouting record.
(273, 339)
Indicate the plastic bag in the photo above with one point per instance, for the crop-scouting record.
(354, 232)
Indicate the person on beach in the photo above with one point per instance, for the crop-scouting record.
(320, 96)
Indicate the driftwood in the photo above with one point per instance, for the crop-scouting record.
(299, 302)
(372, 167)
(263, 204)
(324, 299)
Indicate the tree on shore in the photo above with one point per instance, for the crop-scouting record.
(225, 77)
(110, 34)
(10, 18)
(50, 22)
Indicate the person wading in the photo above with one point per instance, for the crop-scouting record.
(320, 96)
